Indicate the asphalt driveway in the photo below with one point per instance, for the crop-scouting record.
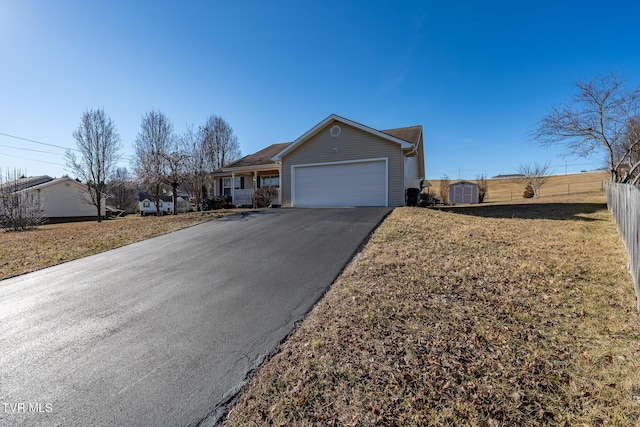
(165, 331)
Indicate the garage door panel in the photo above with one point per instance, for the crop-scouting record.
(345, 184)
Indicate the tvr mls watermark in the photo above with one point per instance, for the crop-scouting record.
(26, 407)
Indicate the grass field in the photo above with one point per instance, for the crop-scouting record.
(514, 315)
(509, 190)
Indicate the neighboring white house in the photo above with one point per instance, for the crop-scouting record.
(148, 206)
(63, 199)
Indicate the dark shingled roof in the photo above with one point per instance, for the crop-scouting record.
(262, 157)
(29, 182)
(142, 196)
(410, 134)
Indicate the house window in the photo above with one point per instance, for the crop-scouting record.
(146, 204)
(226, 185)
(270, 181)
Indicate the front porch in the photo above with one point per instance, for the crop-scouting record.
(245, 197)
(241, 179)
(242, 186)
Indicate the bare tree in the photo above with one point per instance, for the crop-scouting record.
(175, 171)
(99, 144)
(192, 143)
(220, 143)
(631, 150)
(121, 189)
(483, 187)
(598, 118)
(444, 189)
(20, 208)
(534, 175)
(153, 147)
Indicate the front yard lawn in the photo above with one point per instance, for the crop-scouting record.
(461, 317)
(48, 245)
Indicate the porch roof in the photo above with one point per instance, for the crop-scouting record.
(258, 160)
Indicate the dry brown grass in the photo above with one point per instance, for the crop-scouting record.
(23, 252)
(510, 190)
(516, 315)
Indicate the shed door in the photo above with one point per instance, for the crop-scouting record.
(362, 183)
(463, 193)
(467, 194)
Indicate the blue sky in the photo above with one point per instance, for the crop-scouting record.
(476, 75)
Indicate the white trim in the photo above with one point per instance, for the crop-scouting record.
(272, 166)
(342, 162)
(314, 130)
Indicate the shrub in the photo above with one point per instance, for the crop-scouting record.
(20, 209)
(216, 202)
(264, 196)
(427, 199)
(528, 192)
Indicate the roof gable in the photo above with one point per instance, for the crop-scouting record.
(463, 182)
(56, 181)
(404, 144)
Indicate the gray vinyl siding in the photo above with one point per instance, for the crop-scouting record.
(352, 144)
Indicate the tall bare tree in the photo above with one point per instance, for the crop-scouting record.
(175, 159)
(152, 148)
(444, 189)
(535, 175)
(195, 163)
(122, 189)
(99, 144)
(483, 187)
(220, 143)
(631, 150)
(598, 118)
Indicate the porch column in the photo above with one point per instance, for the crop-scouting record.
(233, 188)
(255, 187)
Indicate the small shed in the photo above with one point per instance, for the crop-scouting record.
(463, 192)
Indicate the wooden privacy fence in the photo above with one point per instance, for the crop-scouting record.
(624, 202)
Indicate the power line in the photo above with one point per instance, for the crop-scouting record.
(33, 160)
(37, 142)
(29, 149)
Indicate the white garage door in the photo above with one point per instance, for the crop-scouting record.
(362, 183)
